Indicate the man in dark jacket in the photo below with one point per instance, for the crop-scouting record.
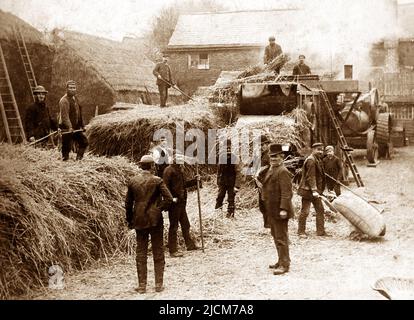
(146, 198)
(301, 68)
(38, 121)
(70, 120)
(333, 167)
(177, 184)
(311, 186)
(164, 79)
(161, 154)
(272, 51)
(228, 181)
(277, 198)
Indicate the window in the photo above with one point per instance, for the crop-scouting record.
(198, 61)
(402, 112)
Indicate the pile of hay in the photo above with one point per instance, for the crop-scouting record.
(54, 213)
(130, 133)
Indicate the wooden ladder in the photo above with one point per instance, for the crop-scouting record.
(9, 111)
(342, 141)
(21, 44)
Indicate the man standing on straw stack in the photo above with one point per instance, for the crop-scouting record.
(71, 123)
(38, 120)
(277, 200)
(147, 197)
(164, 80)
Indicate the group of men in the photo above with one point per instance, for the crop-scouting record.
(273, 50)
(39, 123)
(275, 195)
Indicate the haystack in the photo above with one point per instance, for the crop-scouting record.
(53, 213)
(130, 132)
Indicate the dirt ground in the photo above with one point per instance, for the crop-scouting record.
(235, 263)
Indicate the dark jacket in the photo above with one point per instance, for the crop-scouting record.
(38, 121)
(177, 184)
(271, 52)
(229, 174)
(333, 167)
(313, 177)
(301, 69)
(70, 113)
(277, 192)
(146, 198)
(162, 69)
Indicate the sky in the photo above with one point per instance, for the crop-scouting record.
(116, 18)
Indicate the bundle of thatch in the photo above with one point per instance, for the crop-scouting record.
(130, 133)
(57, 213)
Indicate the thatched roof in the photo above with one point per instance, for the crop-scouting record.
(123, 68)
(8, 21)
(231, 29)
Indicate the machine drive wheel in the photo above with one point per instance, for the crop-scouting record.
(372, 147)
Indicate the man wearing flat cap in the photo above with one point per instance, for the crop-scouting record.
(272, 51)
(277, 201)
(164, 79)
(333, 167)
(301, 68)
(71, 123)
(311, 186)
(38, 121)
(146, 198)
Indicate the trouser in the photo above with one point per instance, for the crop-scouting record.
(223, 189)
(67, 141)
(320, 219)
(333, 186)
(178, 215)
(157, 244)
(163, 90)
(279, 231)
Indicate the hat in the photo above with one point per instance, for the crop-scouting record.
(39, 89)
(329, 148)
(146, 159)
(275, 149)
(272, 38)
(164, 55)
(302, 56)
(70, 82)
(317, 145)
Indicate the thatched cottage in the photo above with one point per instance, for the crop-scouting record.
(40, 53)
(106, 72)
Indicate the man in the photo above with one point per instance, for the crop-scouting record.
(164, 80)
(161, 154)
(301, 68)
(38, 121)
(272, 51)
(277, 198)
(228, 181)
(333, 167)
(146, 198)
(175, 181)
(311, 186)
(261, 173)
(71, 123)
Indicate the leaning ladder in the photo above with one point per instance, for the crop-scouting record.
(9, 111)
(24, 54)
(342, 141)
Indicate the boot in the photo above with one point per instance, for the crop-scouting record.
(274, 266)
(302, 226)
(142, 278)
(159, 279)
(80, 154)
(281, 270)
(176, 254)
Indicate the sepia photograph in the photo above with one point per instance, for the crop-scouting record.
(207, 151)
